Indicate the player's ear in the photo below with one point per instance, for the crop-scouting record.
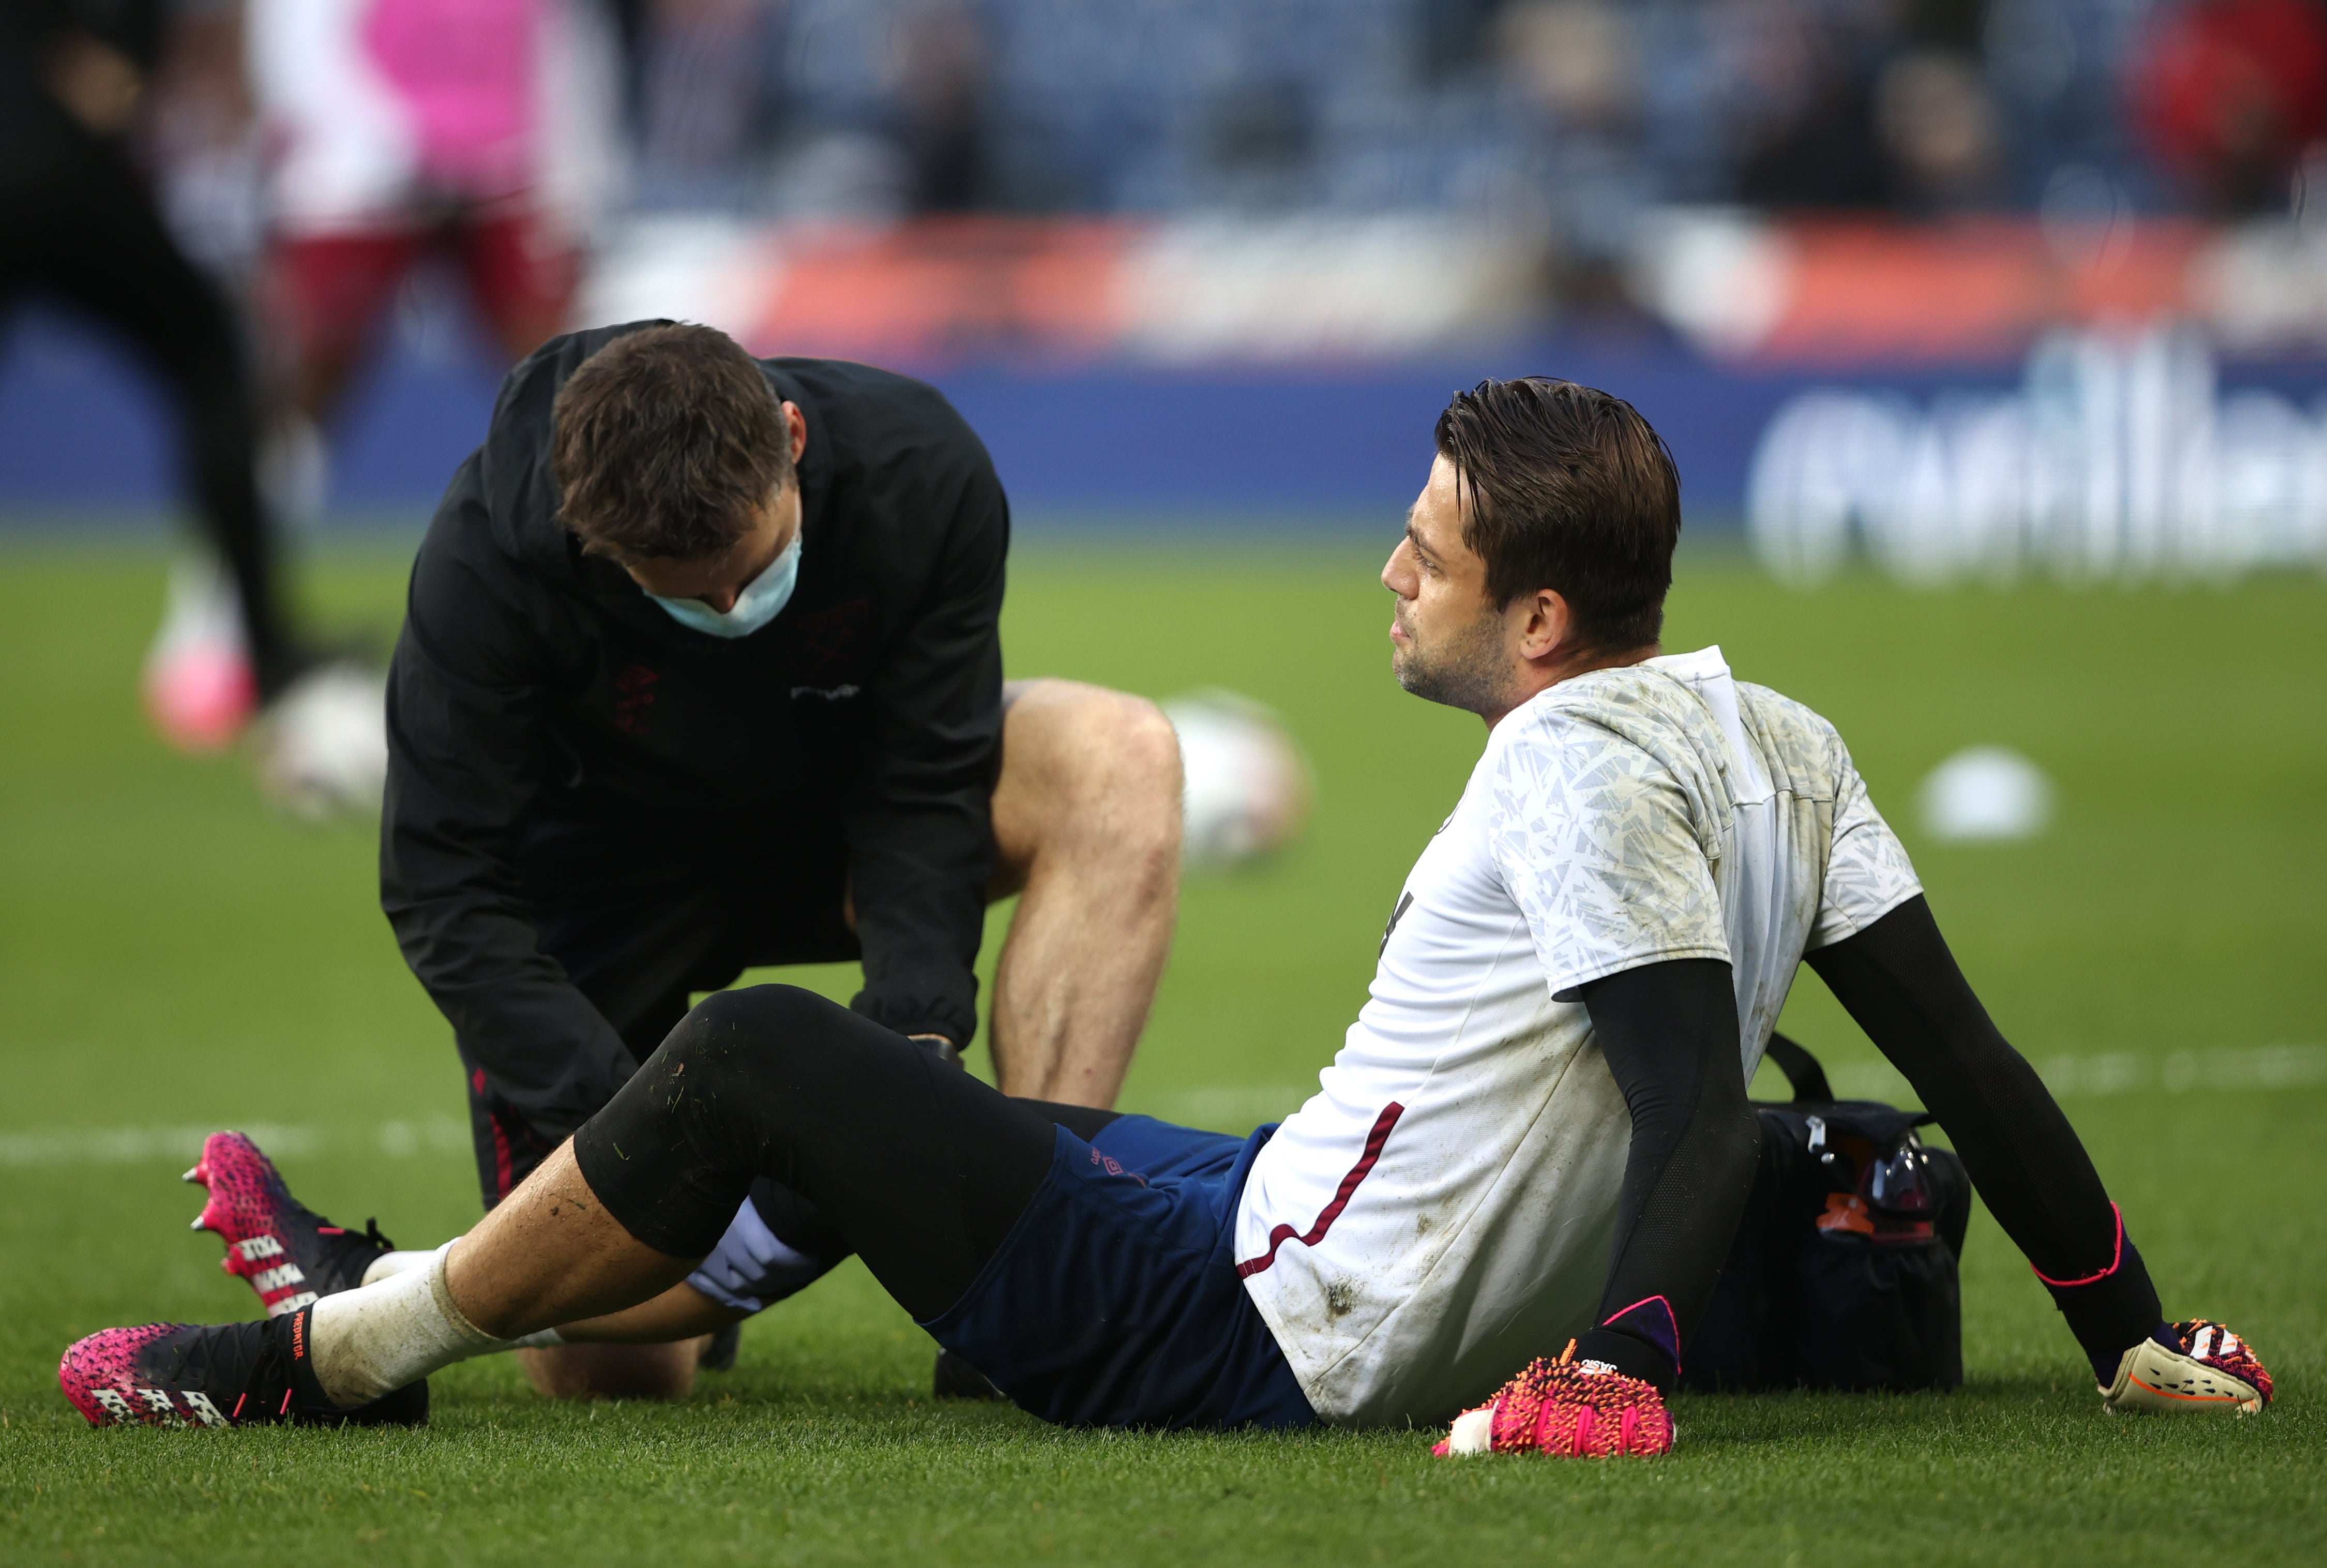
(1545, 626)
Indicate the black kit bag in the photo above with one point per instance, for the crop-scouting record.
(1842, 1274)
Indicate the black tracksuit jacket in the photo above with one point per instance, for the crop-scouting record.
(553, 735)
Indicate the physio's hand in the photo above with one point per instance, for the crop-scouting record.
(946, 1048)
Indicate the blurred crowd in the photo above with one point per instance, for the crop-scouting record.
(1585, 108)
(1915, 106)
(244, 190)
(1575, 117)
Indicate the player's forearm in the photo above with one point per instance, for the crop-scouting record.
(920, 820)
(1668, 1032)
(1901, 984)
(918, 884)
(544, 1049)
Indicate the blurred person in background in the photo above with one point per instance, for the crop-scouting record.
(1577, 65)
(940, 84)
(1941, 131)
(79, 224)
(706, 100)
(2227, 96)
(477, 130)
(1858, 104)
(1796, 84)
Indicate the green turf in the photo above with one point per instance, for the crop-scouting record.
(173, 956)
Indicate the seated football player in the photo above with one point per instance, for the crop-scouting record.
(1532, 1148)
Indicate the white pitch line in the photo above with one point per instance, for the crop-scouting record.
(27, 1150)
(2104, 1074)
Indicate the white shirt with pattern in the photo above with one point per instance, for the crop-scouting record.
(1442, 1208)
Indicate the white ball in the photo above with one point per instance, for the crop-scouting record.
(1986, 795)
(1248, 788)
(322, 744)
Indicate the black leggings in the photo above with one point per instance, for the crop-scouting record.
(85, 231)
(917, 1165)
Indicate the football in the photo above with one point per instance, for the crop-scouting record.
(1248, 787)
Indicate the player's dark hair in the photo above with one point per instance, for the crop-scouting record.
(666, 443)
(1569, 489)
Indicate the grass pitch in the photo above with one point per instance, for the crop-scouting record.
(173, 957)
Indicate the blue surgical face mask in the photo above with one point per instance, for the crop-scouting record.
(759, 601)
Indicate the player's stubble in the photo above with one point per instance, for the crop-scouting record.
(1469, 667)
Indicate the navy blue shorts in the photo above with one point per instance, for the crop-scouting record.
(1115, 1301)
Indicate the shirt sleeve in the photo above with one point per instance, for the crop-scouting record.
(920, 830)
(1593, 839)
(1867, 871)
(466, 758)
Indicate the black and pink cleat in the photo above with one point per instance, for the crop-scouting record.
(290, 1255)
(225, 1374)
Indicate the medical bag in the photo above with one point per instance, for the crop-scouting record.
(1842, 1274)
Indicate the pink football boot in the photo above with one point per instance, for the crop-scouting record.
(289, 1253)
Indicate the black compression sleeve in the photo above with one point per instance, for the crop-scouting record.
(1669, 1035)
(1901, 984)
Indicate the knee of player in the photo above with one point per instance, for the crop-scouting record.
(1129, 756)
(1092, 768)
(752, 1025)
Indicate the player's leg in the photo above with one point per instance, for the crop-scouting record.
(522, 268)
(1086, 830)
(1105, 1298)
(922, 1167)
(104, 249)
(640, 957)
(639, 961)
(328, 293)
(776, 1246)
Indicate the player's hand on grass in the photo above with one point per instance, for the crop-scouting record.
(1571, 1408)
(2215, 1369)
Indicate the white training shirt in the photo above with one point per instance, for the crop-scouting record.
(1442, 1208)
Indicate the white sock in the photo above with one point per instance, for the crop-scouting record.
(389, 1264)
(395, 1263)
(374, 1340)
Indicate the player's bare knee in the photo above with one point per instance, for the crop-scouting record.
(1123, 765)
(1143, 814)
(1147, 762)
(1086, 769)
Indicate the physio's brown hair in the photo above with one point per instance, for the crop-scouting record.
(668, 442)
(1570, 489)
